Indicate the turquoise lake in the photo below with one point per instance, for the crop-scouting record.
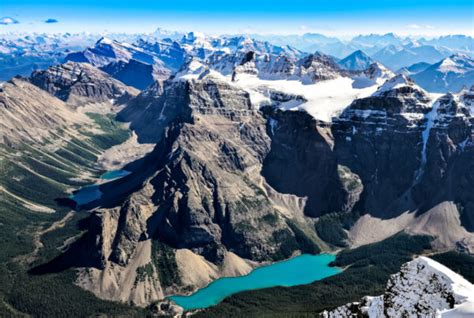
(115, 174)
(300, 270)
(92, 192)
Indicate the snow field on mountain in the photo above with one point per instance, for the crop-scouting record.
(325, 99)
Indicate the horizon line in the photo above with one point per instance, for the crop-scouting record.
(208, 34)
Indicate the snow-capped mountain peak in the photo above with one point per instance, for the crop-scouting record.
(457, 63)
(395, 83)
(195, 69)
(192, 37)
(378, 71)
(449, 74)
(422, 288)
(105, 40)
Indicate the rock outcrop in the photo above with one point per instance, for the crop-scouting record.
(422, 288)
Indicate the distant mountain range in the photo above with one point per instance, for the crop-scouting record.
(450, 74)
(140, 59)
(141, 63)
(397, 57)
(370, 44)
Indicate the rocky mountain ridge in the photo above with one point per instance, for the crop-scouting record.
(422, 288)
(81, 83)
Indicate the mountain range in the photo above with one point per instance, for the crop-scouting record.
(450, 74)
(168, 56)
(37, 51)
(234, 153)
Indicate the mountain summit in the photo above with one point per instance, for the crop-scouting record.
(357, 61)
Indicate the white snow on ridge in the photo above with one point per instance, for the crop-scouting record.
(393, 83)
(325, 99)
(422, 288)
(457, 63)
(459, 284)
(430, 120)
(448, 65)
(196, 70)
(105, 40)
(462, 289)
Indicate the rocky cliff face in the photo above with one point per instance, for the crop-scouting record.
(373, 138)
(422, 288)
(81, 83)
(404, 145)
(198, 195)
(302, 161)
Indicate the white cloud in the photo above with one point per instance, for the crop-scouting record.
(420, 27)
(8, 20)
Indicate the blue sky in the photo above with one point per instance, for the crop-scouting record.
(336, 17)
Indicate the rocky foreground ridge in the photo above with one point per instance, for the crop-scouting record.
(422, 288)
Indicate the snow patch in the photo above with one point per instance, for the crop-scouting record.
(430, 121)
(393, 83)
(273, 125)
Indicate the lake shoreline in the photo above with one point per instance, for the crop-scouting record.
(226, 286)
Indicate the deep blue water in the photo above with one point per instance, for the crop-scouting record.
(92, 192)
(86, 194)
(300, 270)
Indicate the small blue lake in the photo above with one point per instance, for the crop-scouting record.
(92, 192)
(300, 270)
(86, 194)
(114, 174)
